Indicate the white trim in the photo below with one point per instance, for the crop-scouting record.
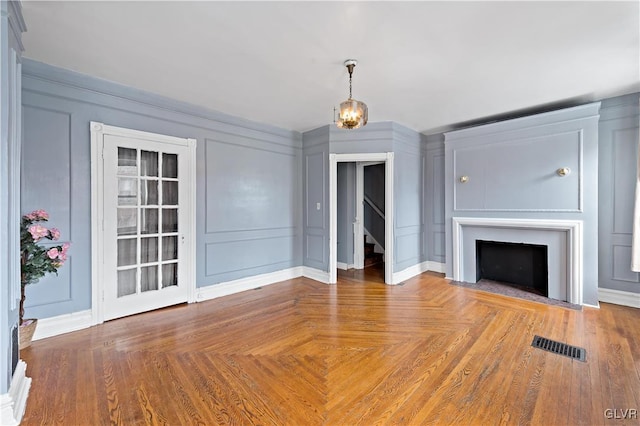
(345, 266)
(436, 267)
(190, 245)
(389, 221)
(54, 326)
(13, 403)
(410, 272)
(97, 219)
(418, 269)
(316, 274)
(618, 297)
(573, 228)
(358, 235)
(98, 130)
(248, 283)
(333, 211)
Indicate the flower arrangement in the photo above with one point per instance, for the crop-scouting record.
(37, 260)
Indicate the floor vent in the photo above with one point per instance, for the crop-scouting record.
(559, 348)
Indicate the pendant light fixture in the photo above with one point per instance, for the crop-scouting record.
(353, 113)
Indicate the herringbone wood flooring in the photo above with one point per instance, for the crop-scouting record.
(360, 352)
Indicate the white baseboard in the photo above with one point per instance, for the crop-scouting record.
(418, 269)
(436, 267)
(48, 327)
(315, 274)
(625, 298)
(13, 403)
(248, 283)
(54, 326)
(345, 266)
(410, 272)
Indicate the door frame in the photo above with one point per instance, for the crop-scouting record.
(98, 131)
(358, 232)
(334, 159)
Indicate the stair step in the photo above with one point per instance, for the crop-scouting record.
(373, 259)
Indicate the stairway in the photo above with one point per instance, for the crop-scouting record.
(370, 256)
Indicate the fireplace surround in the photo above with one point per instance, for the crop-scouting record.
(563, 238)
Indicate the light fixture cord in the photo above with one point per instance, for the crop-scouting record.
(350, 73)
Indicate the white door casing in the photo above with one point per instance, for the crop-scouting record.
(334, 159)
(109, 190)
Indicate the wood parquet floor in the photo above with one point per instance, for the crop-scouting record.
(356, 353)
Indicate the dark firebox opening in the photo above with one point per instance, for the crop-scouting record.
(520, 265)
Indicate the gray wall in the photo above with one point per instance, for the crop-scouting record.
(617, 158)
(248, 191)
(433, 183)
(346, 211)
(408, 198)
(375, 137)
(315, 247)
(618, 154)
(11, 28)
(511, 167)
(374, 184)
(374, 192)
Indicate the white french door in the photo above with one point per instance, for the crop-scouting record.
(146, 195)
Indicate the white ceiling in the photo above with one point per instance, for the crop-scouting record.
(427, 65)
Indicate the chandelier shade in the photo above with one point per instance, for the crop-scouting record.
(353, 113)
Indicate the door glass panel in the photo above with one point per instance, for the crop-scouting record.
(127, 252)
(169, 220)
(149, 278)
(170, 193)
(170, 165)
(127, 282)
(148, 163)
(169, 275)
(127, 191)
(127, 221)
(169, 248)
(148, 249)
(149, 192)
(127, 164)
(149, 221)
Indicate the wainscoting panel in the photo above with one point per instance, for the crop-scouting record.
(247, 179)
(433, 184)
(226, 261)
(520, 175)
(510, 170)
(617, 157)
(248, 188)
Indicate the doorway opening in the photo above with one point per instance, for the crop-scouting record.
(385, 228)
(361, 215)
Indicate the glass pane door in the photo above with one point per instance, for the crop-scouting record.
(147, 221)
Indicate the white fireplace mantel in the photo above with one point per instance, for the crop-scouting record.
(574, 241)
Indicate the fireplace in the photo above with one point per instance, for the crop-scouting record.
(516, 264)
(562, 239)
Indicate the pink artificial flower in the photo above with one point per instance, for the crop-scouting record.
(55, 233)
(38, 232)
(37, 215)
(63, 253)
(41, 214)
(53, 253)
